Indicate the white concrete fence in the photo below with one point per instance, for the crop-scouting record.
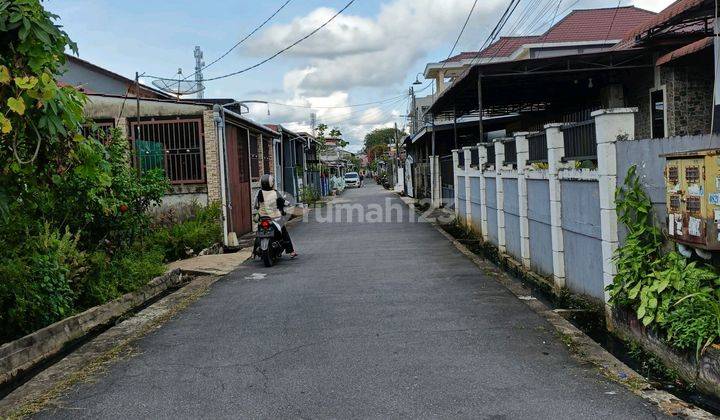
(554, 219)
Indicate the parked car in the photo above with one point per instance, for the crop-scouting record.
(352, 179)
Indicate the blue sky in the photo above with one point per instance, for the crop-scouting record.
(369, 53)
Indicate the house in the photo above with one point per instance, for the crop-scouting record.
(90, 78)
(547, 140)
(208, 150)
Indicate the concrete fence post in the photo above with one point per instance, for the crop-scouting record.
(435, 198)
(482, 161)
(456, 171)
(468, 187)
(610, 125)
(556, 152)
(523, 155)
(499, 188)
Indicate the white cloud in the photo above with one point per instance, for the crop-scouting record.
(371, 51)
(653, 5)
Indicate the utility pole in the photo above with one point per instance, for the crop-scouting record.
(199, 64)
(397, 155)
(137, 122)
(716, 94)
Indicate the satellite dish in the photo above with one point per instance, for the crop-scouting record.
(178, 86)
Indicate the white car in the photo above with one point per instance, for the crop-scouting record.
(352, 179)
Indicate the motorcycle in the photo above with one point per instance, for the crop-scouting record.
(268, 242)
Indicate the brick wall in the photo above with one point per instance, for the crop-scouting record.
(212, 164)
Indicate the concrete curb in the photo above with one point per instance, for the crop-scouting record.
(24, 353)
(98, 354)
(582, 346)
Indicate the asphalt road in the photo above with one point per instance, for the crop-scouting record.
(373, 320)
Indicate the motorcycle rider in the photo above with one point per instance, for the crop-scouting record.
(270, 203)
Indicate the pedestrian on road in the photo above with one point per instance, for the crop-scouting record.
(270, 203)
(361, 179)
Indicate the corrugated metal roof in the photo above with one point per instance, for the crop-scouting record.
(686, 50)
(675, 9)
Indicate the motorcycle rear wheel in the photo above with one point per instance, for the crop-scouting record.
(267, 258)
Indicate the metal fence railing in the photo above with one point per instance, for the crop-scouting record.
(537, 147)
(490, 154)
(447, 182)
(580, 140)
(510, 153)
(474, 157)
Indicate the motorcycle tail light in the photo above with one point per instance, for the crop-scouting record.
(265, 224)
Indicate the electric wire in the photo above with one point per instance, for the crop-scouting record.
(287, 48)
(237, 44)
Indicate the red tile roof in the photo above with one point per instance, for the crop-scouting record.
(595, 24)
(506, 45)
(578, 26)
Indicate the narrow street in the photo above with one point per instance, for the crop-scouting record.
(366, 323)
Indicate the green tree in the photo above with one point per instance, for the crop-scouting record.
(73, 212)
(378, 141)
(334, 133)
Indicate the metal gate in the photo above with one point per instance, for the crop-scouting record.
(447, 183)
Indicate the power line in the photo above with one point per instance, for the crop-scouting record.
(256, 65)
(379, 101)
(237, 44)
(462, 30)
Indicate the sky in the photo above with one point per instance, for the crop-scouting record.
(372, 52)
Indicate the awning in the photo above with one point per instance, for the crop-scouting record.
(686, 50)
(533, 84)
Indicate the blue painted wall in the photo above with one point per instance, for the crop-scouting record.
(491, 193)
(461, 196)
(539, 226)
(581, 237)
(512, 217)
(475, 203)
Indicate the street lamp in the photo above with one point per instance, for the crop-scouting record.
(417, 80)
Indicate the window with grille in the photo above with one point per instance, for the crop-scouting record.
(100, 128)
(675, 203)
(693, 204)
(692, 174)
(673, 174)
(174, 145)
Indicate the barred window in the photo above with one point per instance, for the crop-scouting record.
(174, 145)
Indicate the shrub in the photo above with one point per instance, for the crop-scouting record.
(198, 232)
(38, 280)
(309, 195)
(675, 296)
(110, 276)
